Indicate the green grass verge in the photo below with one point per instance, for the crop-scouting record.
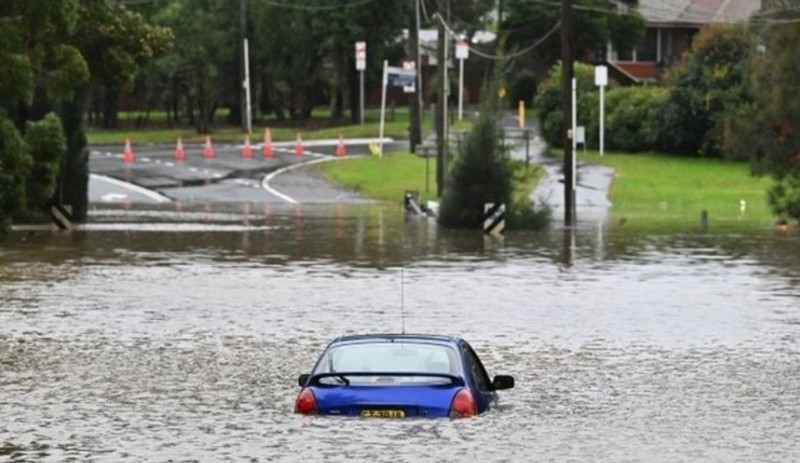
(319, 127)
(650, 192)
(659, 189)
(384, 178)
(387, 178)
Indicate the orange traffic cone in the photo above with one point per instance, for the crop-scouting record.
(247, 150)
(208, 151)
(268, 151)
(298, 147)
(180, 154)
(127, 155)
(340, 148)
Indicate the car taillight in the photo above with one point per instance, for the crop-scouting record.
(305, 404)
(463, 405)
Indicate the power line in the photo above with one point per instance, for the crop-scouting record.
(498, 57)
(315, 8)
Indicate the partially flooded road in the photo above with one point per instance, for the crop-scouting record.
(164, 335)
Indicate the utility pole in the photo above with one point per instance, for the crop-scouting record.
(441, 100)
(244, 67)
(566, 99)
(415, 101)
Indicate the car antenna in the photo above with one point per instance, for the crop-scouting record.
(402, 303)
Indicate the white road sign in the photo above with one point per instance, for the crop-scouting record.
(361, 56)
(462, 49)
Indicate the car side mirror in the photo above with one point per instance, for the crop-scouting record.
(502, 382)
(302, 380)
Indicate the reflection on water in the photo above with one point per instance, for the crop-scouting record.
(154, 336)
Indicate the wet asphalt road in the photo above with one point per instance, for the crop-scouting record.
(155, 176)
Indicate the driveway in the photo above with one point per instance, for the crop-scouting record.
(593, 181)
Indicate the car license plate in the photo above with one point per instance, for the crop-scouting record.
(383, 414)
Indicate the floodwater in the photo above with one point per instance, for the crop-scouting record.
(178, 336)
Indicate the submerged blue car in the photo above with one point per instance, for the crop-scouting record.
(398, 376)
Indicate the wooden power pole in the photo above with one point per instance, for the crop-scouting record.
(566, 95)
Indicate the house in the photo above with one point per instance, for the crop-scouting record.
(671, 26)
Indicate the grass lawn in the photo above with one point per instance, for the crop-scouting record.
(388, 178)
(659, 189)
(385, 178)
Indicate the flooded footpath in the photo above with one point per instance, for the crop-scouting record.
(163, 335)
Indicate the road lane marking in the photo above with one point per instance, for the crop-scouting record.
(282, 170)
(135, 188)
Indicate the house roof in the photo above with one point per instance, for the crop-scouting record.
(697, 12)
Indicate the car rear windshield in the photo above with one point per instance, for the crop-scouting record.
(385, 357)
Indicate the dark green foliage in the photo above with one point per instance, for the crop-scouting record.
(548, 104)
(479, 175)
(47, 144)
(522, 213)
(15, 166)
(524, 89)
(596, 23)
(633, 121)
(767, 130)
(482, 173)
(73, 183)
(784, 197)
(707, 89)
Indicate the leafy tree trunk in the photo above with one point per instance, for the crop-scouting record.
(73, 180)
(339, 86)
(110, 107)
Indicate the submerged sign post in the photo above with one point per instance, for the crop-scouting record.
(393, 77)
(361, 65)
(462, 53)
(601, 80)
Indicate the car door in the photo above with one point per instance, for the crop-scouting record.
(481, 383)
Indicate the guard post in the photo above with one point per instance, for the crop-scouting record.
(494, 219)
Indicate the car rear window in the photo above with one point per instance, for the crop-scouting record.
(400, 357)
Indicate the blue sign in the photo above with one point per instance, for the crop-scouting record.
(399, 77)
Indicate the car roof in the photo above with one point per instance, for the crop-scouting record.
(435, 338)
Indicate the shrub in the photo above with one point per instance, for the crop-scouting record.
(633, 118)
(549, 107)
(47, 144)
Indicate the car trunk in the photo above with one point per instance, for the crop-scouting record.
(385, 401)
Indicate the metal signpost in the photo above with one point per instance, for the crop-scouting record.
(361, 65)
(574, 102)
(411, 66)
(248, 115)
(392, 77)
(601, 80)
(462, 53)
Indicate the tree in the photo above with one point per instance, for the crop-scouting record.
(15, 167)
(46, 48)
(320, 64)
(768, 131)
(204, 62)
(39, 70)
(115, 42)
(707, 88)
(482, 173)
(549, 107)
(596, 23)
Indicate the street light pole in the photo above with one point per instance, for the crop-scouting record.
(415, 101)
